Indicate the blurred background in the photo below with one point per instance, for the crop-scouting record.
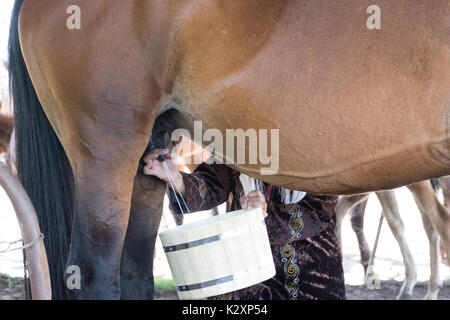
(5, 13)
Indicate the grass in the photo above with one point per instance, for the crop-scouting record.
(163, 285)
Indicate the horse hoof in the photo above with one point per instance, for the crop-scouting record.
(430, 296)
(404, 296)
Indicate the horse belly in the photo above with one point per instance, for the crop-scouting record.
(357, 110)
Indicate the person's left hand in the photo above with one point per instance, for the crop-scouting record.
(254, 199)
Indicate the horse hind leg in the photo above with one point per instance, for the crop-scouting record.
(392, 214)
(445, 185)
(429, 208)
(357, 221)
(344, 205)
(438, 215)
(104, 168)
(136, 268)
(136, 273)
(435, 283)
(103, 200)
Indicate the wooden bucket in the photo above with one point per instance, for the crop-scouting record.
(220, 254)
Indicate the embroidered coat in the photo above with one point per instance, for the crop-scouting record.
(306, 254)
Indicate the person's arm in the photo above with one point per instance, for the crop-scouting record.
(206, 188)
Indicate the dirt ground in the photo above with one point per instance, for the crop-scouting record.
(389, 289)
(12, 289)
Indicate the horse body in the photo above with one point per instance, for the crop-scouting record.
(302, 72)
(358, 110)
(291, 60)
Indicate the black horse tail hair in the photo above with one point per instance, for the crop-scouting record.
(42, 164)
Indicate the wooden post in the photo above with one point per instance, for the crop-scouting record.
(29, 226)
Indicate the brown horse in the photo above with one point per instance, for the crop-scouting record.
(357, 109)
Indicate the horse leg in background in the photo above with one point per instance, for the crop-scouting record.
(136, 268)
(429, 205)
(445, 186)
(344, 205)
(390, 208)
(435, 283)
(357, 221)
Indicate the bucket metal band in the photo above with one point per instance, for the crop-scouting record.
(217, 237)
(205, 284)
(239, 275)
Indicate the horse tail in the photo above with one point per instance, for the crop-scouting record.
(43, 167)
(435, 184)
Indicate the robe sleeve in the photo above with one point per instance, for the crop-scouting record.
(207, 187)
(301, 220)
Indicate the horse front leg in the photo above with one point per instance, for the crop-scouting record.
(344, 205)
(136, 269)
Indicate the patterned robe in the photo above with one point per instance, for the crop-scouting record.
(306, 254)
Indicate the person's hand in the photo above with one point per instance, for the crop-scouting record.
(154, 167)
(254, 199)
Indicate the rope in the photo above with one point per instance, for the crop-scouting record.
(25, 246)
(174, 187)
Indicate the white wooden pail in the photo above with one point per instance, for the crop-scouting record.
(220, 254)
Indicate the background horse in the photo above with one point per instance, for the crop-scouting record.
(429, 207)
(6, 129)
(357, 109)
(6, 116)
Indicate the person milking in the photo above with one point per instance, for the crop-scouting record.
(300, 225)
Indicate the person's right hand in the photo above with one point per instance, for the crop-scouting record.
(154, 167)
